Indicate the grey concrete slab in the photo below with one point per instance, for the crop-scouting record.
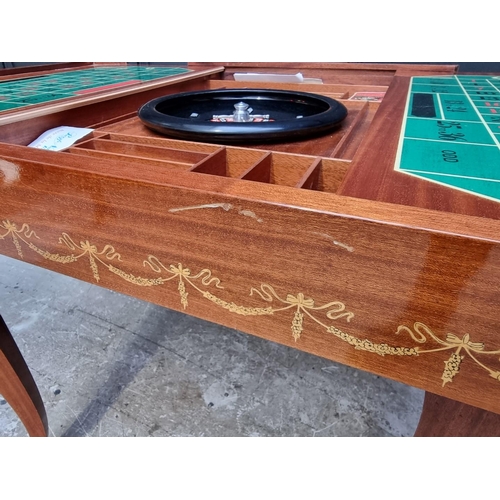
(111, 365)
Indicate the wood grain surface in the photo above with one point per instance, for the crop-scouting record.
(395, 296)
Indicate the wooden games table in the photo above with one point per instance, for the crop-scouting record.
(376, 245)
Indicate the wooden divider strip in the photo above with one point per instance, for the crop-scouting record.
(136, 160)
(214, 164)
(199, 147)
(311, 177)
(144, 151)
(347, 138)
(260, 171)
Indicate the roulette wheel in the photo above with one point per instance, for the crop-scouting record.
(243, 115)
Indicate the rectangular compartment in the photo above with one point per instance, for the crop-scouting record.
(146, 151)
(132, 149)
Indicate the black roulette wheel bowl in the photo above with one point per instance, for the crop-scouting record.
(293, 115)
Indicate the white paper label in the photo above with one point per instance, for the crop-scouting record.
(60, 138)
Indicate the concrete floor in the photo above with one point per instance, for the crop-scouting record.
(110, 365)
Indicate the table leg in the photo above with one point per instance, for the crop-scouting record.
(447, 418)
(18, 387)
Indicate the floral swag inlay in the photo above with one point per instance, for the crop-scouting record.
(303, 308)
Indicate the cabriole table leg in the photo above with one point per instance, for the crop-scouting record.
(18, 387)
(447, 418)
